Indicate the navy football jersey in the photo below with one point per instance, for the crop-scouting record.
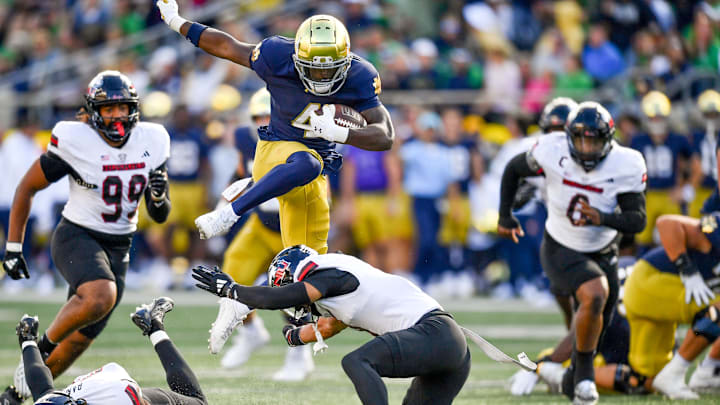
(707, 263)
(706, 148)
(245, 141)
(661, 160)
(292, 104)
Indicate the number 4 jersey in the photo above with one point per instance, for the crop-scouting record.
(107, 182)
(567, 183)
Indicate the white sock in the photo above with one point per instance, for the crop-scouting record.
(158, 336)
(679, 362)
(710, 362)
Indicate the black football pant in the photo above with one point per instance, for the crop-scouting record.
(434, 351)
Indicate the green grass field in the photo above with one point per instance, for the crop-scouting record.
(508, 325)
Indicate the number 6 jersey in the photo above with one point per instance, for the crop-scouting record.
(566, 183)
(107, 182)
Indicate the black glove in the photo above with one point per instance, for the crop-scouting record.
(158, 184)
(27, 329)
(292, 335)
(14, 265)
(213, 280)
(509, 222)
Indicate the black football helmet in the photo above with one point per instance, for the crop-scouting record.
(59, 398)
(555, 113)
(590, 131)
(112, 87)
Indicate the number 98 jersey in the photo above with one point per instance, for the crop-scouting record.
(106, 182)
(567, 183)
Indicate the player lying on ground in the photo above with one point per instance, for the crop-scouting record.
(111, 384)
(659, 294)
(587, 176)
(305, 77)
(415, 337)
(113, 160)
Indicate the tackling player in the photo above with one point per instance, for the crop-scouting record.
(304, 76)
(587, 176)
(111, 384)
(415, 337)
(114, 160)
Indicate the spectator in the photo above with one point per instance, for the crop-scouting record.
(624, 18)
(503, 80)
(601, 58)
(703, 42)
(575, 82)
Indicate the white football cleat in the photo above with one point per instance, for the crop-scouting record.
(216, 222)
(586, 393)
(21, 385)
(670, 381)
(552, 374)
(230, 315)
(706, 378)
(298, 364)
(523, 382)
(249, 338)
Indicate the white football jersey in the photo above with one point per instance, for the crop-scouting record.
(110, 384)
(108, 183)
(382, 302)
(566, 183)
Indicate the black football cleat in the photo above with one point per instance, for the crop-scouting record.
(149, 317)
(27, 329)
(10, 397)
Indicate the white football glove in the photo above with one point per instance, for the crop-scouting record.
(695, 288)
(523, 382)
(217, 222)
(324, 126)
(169, 12)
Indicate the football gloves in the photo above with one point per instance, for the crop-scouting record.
(324, 126)
(14, 263)
(27, 329)
(213, 280)
(158, 184)
(696, 289)
(169, 12)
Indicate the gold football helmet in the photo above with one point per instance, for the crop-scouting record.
(656, 104)
(322, 54)
(709, 103)
(260, 103)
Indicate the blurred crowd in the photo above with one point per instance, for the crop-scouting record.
(427, 208)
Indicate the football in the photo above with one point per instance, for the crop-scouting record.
(348, 117)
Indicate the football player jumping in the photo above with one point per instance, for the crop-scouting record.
(114, 160)
(304, 76)
(111, 384)
(587, 176)
(415, 337)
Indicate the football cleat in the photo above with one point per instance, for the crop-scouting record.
(27, 328)
(670, 381)
(10, 397)
(216, 222)
(249, 339)
(230, 315)
(147, 314)
(523, 382)
(21, 385)
(586, 393)
(706, 378)
(298, 364)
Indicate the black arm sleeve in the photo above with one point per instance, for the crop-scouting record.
(631, 218)
(332, 282)
(36, 372)
(262, 297)
(54, 167)
(158, 211)
(516, 169)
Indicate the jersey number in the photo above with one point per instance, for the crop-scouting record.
(112, 195)
(302, 120)
(573, 210)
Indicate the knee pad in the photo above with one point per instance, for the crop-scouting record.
(628, 381)
(705, 324)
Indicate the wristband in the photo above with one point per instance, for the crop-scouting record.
(684, 265)
(13, 247)
(176, 22)
(293, 337)
(28, 343)
(193, 34)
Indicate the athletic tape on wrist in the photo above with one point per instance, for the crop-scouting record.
(28, 343)
(158, 337)
(13, 247)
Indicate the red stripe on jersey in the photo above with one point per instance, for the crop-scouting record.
(582, 186)
(306, 269)
(129, 166)
(130, 391)
(53, 140)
